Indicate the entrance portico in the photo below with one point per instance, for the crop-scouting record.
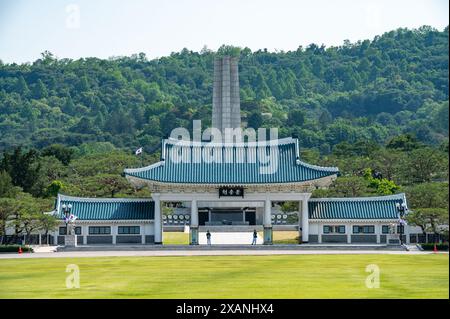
(196, 200)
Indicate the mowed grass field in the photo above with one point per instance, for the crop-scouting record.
(176, 238)
(282, 276)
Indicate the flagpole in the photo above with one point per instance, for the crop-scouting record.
(139, 152)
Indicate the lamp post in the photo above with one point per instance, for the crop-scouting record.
(66, 210)
(401, 209)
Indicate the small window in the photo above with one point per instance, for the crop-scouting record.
(99, 230)
(385, 229)
(62, 230)
(128, 230)
(334, 229)
(400, 229)
(366, 229)
(369, 229)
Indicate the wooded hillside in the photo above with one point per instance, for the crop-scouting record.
(370, 90)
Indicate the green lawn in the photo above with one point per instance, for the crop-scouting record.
(283, 237)
(175, 238)
(283, 276)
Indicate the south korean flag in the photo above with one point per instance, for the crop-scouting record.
(139, 151)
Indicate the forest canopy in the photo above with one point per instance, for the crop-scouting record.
(396, 83)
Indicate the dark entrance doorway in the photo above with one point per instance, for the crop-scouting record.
(203, 217)
(250, 217)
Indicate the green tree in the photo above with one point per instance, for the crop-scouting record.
(325, 118)
(7, 189)
(428, 195)
(406, 142)
(423, 164)
(40, 90)
(47, 223)
(22, 87)
(23, 216)
(23, 167)
(106, 185)
(388, 162)
(8, 207)
(62, 153)
(54, 188)
(288, 207)
(352, 186)
(296, 117)
(429, 219)
(229, 50)
(381, 185)
(255, 120)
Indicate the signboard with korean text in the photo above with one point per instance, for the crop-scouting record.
(231, 191)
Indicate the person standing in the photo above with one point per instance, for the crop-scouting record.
(255, 237)
(208, 237)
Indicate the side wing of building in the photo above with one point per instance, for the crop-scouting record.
(107, 220)
(358, 220)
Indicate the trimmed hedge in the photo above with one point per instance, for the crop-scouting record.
(15, 249)
(430, 246)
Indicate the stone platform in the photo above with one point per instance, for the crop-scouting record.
(310, 247)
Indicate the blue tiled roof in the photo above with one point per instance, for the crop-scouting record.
(232, 164)
(382, 207)
(106, 208)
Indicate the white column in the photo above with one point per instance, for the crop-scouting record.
(267, 220)
(194, 213)
(305, 221)
(84, 233)
(378, 232)
(194, 223)
(55, 238)
(319, 232)
(157, 220)
(348, 231)
(407, 232)
(114, 234)
(267, 223)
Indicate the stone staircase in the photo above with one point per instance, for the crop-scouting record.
(413, 247)
(44, 249)
(230, 228)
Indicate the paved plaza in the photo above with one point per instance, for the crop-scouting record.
(229, 238)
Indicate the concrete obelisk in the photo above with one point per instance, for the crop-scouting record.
(226, 102)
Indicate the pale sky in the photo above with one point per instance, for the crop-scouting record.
(100, 28)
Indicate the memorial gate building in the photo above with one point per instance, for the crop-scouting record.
(222, 184)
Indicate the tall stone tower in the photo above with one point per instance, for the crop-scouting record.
(226, 102)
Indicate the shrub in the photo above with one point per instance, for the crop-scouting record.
(430, 246)
(15, 249)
